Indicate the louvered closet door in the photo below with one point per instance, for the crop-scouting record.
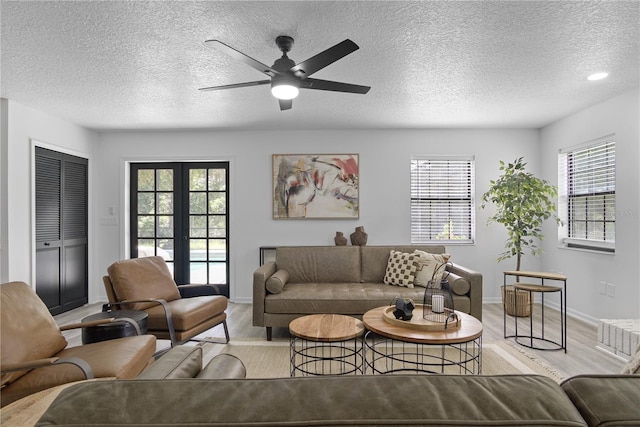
(61, 230)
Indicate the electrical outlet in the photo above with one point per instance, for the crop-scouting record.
(603, 287)
(611, 289)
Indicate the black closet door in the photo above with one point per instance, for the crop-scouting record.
(61, 230)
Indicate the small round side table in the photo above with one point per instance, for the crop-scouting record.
(326, 344)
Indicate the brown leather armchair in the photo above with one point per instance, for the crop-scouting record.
(173, 313)
(34, 353)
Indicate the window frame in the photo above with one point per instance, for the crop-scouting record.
(569, 192)
(418, 215)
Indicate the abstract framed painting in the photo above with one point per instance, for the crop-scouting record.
(316, 186)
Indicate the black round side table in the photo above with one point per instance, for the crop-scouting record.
(116, 329)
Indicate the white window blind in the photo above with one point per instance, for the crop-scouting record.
(442, 199)
(587, 184)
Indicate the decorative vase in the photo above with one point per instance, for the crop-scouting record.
(340, 239)
(359, 237)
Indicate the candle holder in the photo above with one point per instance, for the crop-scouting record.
(438, 300)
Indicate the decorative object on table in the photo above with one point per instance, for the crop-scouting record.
(359, 237)
(315, 186)
(438, 299)
(340, 240)
(404, 308)
(523, 202)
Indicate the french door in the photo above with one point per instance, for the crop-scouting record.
(180, 211)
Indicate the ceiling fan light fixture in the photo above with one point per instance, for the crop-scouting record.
(284, 89)
(597, 76)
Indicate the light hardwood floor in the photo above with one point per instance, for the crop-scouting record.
(582, 356)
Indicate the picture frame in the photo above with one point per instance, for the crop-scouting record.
(316, 186)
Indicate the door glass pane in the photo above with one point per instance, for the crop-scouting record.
(198, 272)
(217, 250)
(197, 180)
(197, 203)
(165, 249)
(217, 179)
(145, 247)
(217, 226)
(197, 226)
(217, 203)
(146, 203)
(146, 226)
(165, 203)
(165, 180)
(165, 226)
(217, 273)
(145, 180)
(197, 249)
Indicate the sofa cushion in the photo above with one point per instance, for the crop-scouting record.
(374, 259)
(401, 269)
(187, 313)
(275, 283)
(44, 336)
(320, 264)
(429, 267)
(459, 285)
(345, 298)
(180, 362)
(606, 400)
(143, 278)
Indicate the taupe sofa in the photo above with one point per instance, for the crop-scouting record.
(344, 280)
(410, 400)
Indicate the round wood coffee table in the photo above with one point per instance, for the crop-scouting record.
(326, 344)
(393, 348)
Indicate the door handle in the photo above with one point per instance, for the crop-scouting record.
(47, 244)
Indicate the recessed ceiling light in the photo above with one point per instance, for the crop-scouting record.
(597, 76)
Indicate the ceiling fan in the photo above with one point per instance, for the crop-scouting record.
(287, 77)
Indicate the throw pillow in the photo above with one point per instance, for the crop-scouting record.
(275, 283)
(429, 267)
(401, 269)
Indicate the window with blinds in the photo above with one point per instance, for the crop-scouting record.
(442, 200)
(587, 191)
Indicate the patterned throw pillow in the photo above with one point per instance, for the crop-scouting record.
(429, 267)
(401, 269)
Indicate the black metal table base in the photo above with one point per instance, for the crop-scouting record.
(326, 358)
(387, 356)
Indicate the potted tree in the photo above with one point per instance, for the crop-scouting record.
(523, 202)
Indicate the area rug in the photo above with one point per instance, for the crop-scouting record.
(270, 359)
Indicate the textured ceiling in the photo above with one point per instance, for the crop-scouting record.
(139, 64)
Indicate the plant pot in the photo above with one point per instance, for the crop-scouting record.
(509, 298)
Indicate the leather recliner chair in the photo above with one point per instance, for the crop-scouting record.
(178, 313)
(34, 353)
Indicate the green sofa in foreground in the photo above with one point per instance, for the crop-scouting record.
(413, 400)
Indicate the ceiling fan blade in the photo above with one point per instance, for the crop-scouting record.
(285, 104)
(247, 84)
(321, 60)
(333, 86)
(236, 54)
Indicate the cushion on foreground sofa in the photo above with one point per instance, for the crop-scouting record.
(345, 280)
(451, 400)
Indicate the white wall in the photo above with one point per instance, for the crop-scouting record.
(24, 126)
(384, 193)
(585, 270)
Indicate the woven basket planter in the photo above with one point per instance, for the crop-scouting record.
(509, 297)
